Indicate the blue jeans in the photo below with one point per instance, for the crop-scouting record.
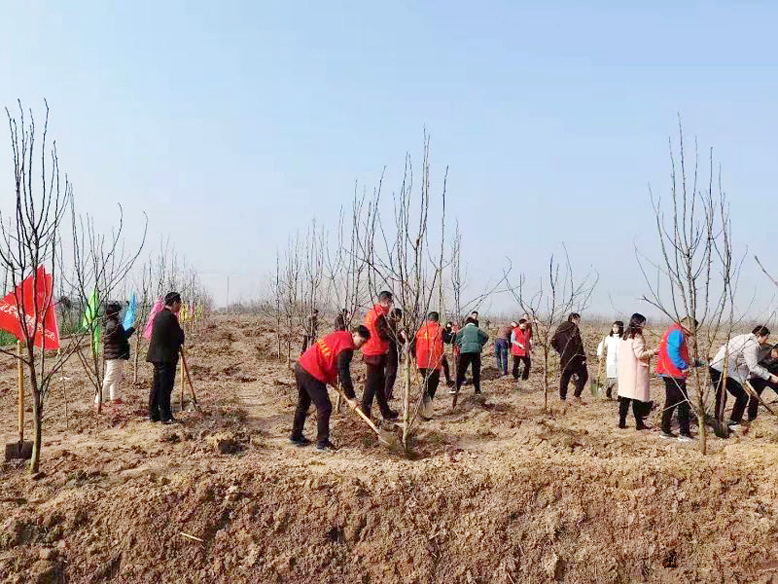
(501, 352)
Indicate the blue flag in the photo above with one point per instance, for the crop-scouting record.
(129, 314)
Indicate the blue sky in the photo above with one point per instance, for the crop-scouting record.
(234, 124)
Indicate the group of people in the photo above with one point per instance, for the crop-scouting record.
(167, 339)
(380, 339)
(743, 368)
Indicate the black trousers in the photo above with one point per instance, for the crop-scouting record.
(676, 396)
(431, 381)
(310, 389)
(759, 386)
(465, 360)
(390, 373)
(374, 387)
(518, 361)
(733, 387)
(446, 370)
(573, 368)
(639, 410)
(161, 390)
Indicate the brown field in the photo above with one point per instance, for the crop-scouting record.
(495, 491)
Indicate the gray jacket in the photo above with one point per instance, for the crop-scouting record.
(742, 354)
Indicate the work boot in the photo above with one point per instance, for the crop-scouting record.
(170, 420)
(299, 441)
(391, 415)
(326, 446)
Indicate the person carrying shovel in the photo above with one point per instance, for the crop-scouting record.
(323, 363)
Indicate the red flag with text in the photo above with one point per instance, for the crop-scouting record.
(26, 301)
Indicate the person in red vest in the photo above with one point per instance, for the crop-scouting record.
(427, 346)
(521, 345)
(320, 365)
(673, 365)
(375, 354)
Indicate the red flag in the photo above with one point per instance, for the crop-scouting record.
(22, 299)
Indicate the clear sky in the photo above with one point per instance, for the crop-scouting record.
(235, 123)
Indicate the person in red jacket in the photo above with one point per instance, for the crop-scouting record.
(375, 355)
(427, 347)
(521, 345)
(320, 365)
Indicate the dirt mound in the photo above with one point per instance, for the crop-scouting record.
(496, 490)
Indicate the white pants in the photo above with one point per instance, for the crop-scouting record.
(112, 382)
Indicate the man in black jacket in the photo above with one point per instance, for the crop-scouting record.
(572, 356)
(116, 350)
(167, 337)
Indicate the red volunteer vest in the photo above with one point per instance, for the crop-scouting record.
(523, 338)
(664, 365)
(429, 346)
(375, 346)
(321, 359)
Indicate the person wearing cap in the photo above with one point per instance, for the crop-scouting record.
(167, 338)
(116, 350)
(323, 363)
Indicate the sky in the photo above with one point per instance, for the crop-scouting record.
(234, 124)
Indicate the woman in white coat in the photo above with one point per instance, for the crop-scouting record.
(634, 373)
(609, 348)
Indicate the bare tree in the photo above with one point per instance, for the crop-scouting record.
(101, 263)
(31, 241)
(696, 275)
(557, 294)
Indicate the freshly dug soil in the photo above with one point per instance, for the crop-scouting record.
(496, 491)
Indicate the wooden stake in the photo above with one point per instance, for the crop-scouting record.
(20, 369)
(183, 384)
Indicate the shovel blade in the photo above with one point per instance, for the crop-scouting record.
(18, 450)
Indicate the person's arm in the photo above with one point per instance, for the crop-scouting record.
(458, 338)
(382, 326)
(128, 333)
(674, 343)
(344, 373)
(751, 355)
(640, 350)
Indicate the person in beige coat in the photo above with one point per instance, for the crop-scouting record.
(634, 373)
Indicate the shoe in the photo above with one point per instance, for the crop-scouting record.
(299, 441)
(452, 391)
(643, 427)
(170, 420)
(668, 435)
(478, 391)
(685, 438)
(326, 446)
(450, 383)
(622, 425)
(392, 415)
(577, 399)
(733, 424)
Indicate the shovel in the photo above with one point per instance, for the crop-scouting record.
(385, 437)
(189, 379)
(20, 449)
(752, 392)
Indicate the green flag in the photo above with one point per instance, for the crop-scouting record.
(88, 321)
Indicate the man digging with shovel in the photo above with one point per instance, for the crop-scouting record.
(323, 363)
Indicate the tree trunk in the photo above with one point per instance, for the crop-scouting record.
(545, 380)
(407, 402)
(137, 357)
(37, 430)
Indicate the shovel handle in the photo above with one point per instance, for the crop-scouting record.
(20, 370)
(359, 411)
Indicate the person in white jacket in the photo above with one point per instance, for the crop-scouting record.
(741, 357)
(609, 348)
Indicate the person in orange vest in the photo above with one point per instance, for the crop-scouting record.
(673, 366)
(375, 354)
(322, 364)
(521, 345)
(427, 346)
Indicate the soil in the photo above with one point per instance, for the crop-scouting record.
(497, 490)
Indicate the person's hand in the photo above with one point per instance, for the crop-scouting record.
(774, 378)
(352, 403)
